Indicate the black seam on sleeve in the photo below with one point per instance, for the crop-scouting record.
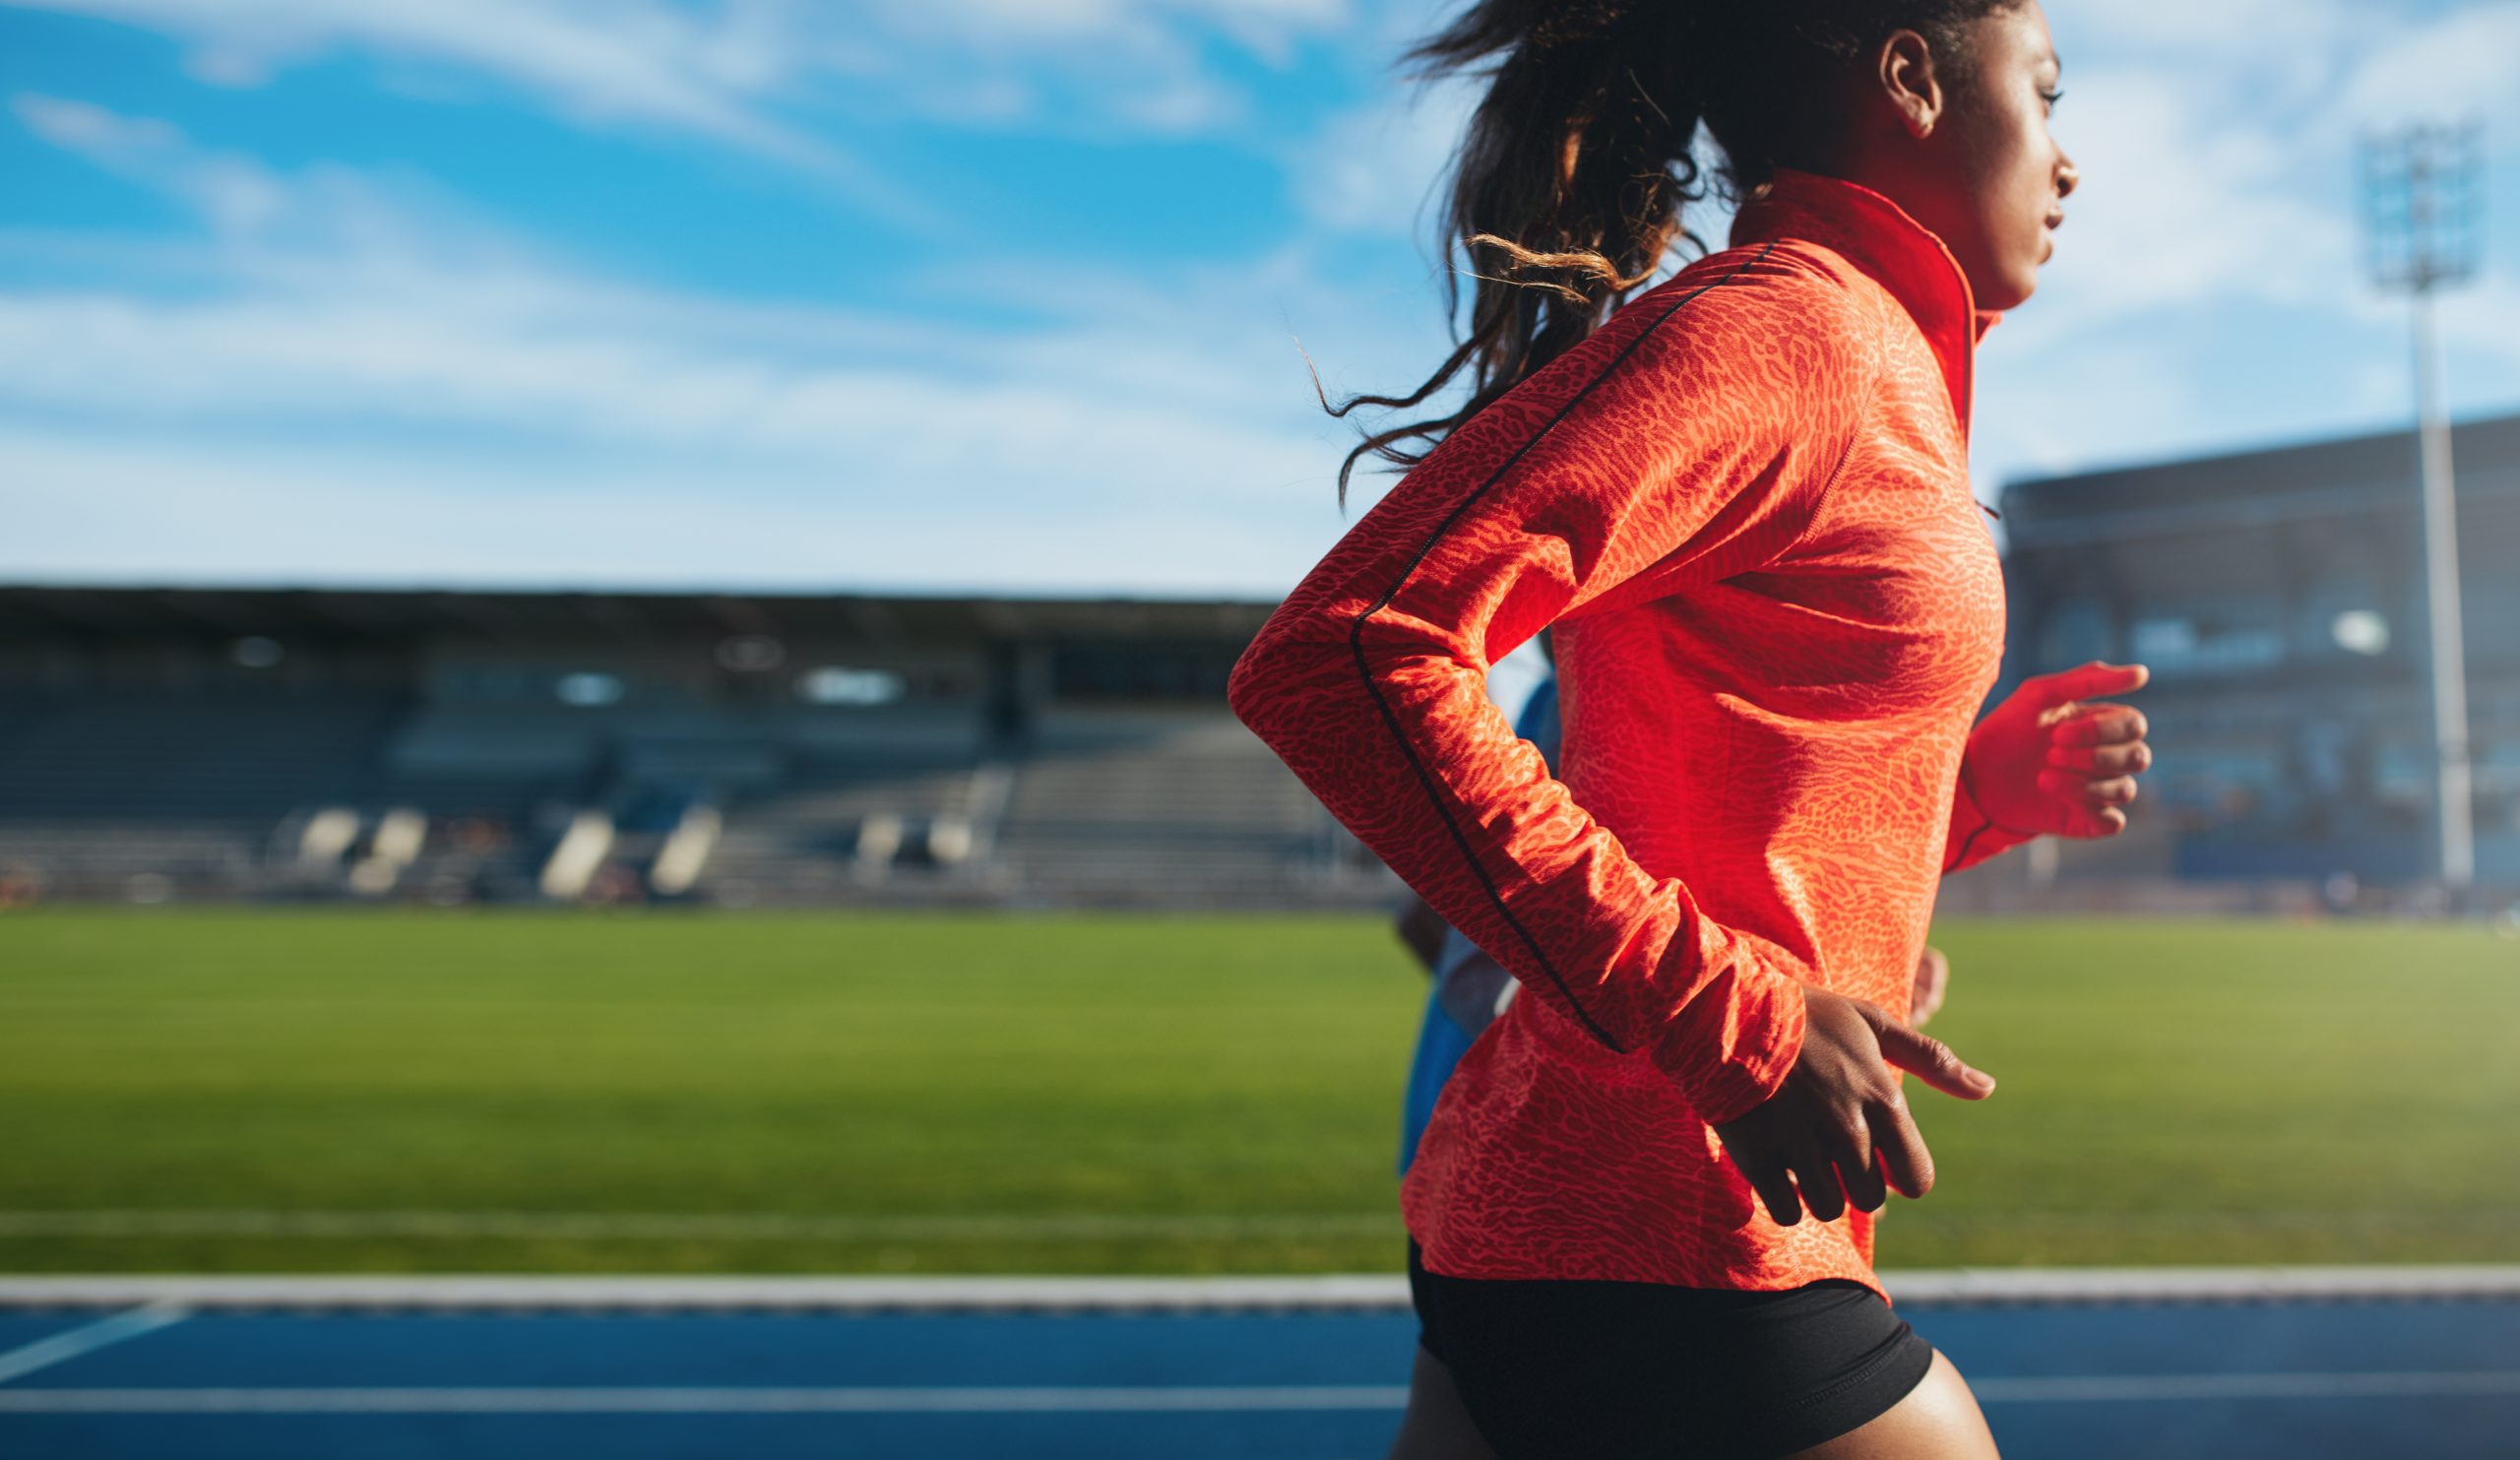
(1986, 822)
(1966, 842)
(1356, 643)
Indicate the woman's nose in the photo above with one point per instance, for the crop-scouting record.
(2068, 178)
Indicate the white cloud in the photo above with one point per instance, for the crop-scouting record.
(598, 63)
(2217, 148)
(2466, 64)
(194, 509)
(724, 70)
(1156, 429)
(1264, 26)
(621, 59)
(1134, 442)
(1375, 168)
(2179, 209)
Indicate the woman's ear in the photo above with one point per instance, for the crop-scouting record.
(1905, 71)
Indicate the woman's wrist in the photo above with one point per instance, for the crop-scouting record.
(1977, 804)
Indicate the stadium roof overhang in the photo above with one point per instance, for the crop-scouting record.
(2355, 479)
(67, 611)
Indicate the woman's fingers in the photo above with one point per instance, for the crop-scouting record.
(2119, 758)
(1900, 1148)
(1765, 1171)
(2088, 824)
(1852, 1150)
(1816, 1175)
(1839, 1132)
(2097, 677)
(1828, 1167)
(2099, 725)
(1931, 1059)
(2078, 790)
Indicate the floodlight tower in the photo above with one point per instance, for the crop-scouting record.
(2421, 188)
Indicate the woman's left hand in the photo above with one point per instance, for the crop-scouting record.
(2050, 759)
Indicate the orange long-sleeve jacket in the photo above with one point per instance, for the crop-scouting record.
(1744, 505)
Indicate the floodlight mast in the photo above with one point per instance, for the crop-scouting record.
(2421, 195)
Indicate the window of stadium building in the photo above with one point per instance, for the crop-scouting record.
(832, 684)
(253, 652)
(2182, 646)
(1142, 671)
(2078, 630)
(2360, 631)
(751, 653)
(588, 689)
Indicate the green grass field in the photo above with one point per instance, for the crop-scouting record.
(254, 1090)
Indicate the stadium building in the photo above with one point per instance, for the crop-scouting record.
(163, 743)
(2279, 599)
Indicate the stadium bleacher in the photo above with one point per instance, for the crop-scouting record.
(186, 796)
(1113, 800)
(495, 747)
(804, 750)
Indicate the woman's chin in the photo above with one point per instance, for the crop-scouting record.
(2007, 295)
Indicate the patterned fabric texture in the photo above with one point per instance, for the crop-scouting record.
(1468, 988)
(1744, 505)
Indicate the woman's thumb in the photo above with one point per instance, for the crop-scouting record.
(1931, 1060)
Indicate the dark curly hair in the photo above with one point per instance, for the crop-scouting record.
(1578, 163)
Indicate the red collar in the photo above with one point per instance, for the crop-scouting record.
(1894, 250)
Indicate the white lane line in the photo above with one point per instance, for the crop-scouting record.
(700, 1401)
(1150, 1400)
(2156, 1387)
(1345, 1293)
(2290, 1387)
(87, 1339)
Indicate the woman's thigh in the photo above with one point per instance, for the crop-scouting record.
(1939, 1419)
(1436, 1426)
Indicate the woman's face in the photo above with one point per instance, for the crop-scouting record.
(1995, 183)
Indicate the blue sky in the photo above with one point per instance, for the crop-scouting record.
(998, 295)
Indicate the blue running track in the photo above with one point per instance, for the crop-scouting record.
(2353, 1378)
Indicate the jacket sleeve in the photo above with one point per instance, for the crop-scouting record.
(1687, 440)
(1972, 837)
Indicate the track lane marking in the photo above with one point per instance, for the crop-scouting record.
(87, 1338)
(720, 1400)
(958, 1400)
(1337, 1291)
(2153, 1388)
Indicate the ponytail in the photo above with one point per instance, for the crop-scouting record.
(1568, 188)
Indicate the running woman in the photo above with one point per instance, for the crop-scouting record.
(1642, 1214)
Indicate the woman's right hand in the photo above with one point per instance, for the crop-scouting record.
(1840, 1107)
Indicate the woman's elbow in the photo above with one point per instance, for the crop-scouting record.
(1246, 689)
(1262, 689)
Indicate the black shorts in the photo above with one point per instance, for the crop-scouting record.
(1602, 1370)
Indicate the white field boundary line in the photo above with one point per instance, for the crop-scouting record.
(87, 1338)
(1359, 1292)
(1070, 1227)
(677, 1227)
(2291, 1388)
